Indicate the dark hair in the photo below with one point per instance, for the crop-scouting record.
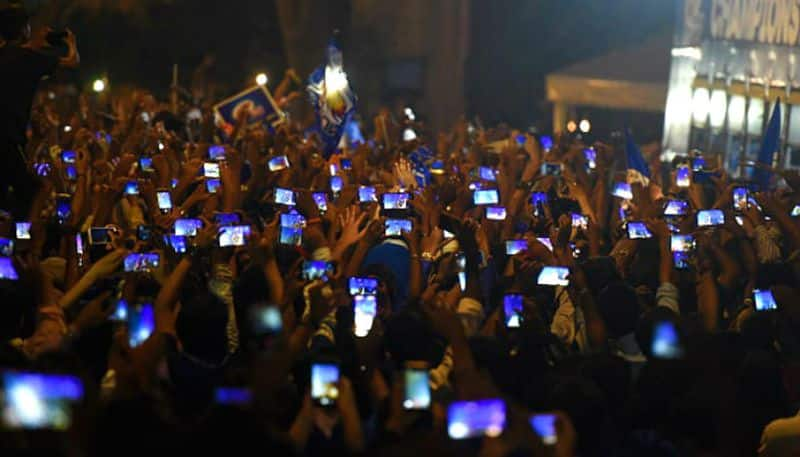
(13, 19)
(619, 308)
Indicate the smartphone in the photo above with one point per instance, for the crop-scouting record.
(461, 264)
(211, 170)
(321, 200)
(291, 236)
(470, 419)
(417, 390)
(710, 217)
(188, 227)
(7, 270)
(43, 169)
(278, 163)
(580, 221)
(623, 190)
(591, 158)
(544, 425)
(681, 243)
(144, 232)
(553, 276)
(538, 198)
(333, 169)
(284, 197)
(316, 269)
(216, 152)
(176, 242)
(336, 184)
(141, 323)
(698, 163)
(546, 141)
(266, 319)
(232, 396)
(638, 231)
(396, 227)
(514, 247)
(99, 235)
(68, 156)
(324, 383)
(666, 342)
(546, 242)
(365, 308)
(146, 164)
(63, 206)
(487, 173)
(213, 185)
(682, 176)
(227, 218)
(741, 198)
(486, 197)
(396, 201)
(512, 308)
(496, 213)
(6, 247)
(233, 235)
(39, 401)
(676, 208)
(23, 230)
(551, 168)
(764, 300)
(362, 286)
(120, 313)
(141, 262)
(293, 219)
(164, 199)
(367, 194)
(131, 188)
(71, 172)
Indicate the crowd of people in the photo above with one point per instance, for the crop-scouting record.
(170, 289)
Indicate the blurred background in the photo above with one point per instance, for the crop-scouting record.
(444, 57)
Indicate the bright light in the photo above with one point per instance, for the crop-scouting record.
(691, 52)
(409, 135)
(67, 128)
(736, 114)
(27, 404)
(585, 125)
(700, 105)
(99, 85)
(261, 79)
(571, 126)
(718, 104)
(335, 79)
(410, 114)
(458, 430)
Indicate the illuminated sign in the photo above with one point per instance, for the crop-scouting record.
(763, 21)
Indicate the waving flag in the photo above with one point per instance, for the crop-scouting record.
(333, 99)
(638, 170)
(769, 145)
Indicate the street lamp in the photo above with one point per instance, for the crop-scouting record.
(99, 85)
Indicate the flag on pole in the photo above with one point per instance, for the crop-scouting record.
(638, 170)
(333, 100)
(769, 145)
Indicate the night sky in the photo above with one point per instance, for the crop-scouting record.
(514, 44)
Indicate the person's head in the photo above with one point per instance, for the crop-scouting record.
(14, 22)
(619, 308)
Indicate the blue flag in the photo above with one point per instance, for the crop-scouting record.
(332, 98)
(769, 145)
(638, 170)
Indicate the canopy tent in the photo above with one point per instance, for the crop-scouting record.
(632, 79)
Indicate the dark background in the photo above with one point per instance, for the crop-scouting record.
(514, 44)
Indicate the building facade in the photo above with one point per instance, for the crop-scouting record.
(732, 61)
